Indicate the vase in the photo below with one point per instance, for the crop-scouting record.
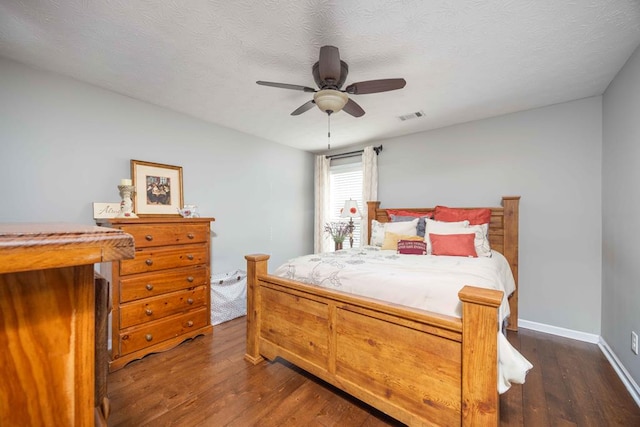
(338, 245)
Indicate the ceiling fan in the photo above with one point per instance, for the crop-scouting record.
(330, 73)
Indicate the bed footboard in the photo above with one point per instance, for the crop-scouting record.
(421, 368)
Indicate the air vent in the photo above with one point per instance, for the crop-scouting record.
(415, 115)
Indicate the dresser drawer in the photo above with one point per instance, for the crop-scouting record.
(149, 235)
(156, 308)
(152, 284)
(154, 259)
(151, 333)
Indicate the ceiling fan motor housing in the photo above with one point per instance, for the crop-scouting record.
(334, 83)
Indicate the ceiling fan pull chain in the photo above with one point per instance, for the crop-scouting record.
(329, 130)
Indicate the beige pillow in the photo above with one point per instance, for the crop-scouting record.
(391, 240)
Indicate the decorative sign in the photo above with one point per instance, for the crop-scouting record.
(106, 210)
(412, 247)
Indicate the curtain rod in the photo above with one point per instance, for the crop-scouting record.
(377, 149)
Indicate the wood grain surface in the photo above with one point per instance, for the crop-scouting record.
(47, 320)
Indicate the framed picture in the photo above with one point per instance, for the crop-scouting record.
(158, 188)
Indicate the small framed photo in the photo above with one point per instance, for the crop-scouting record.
(158, 188)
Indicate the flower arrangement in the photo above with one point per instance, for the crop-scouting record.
(338, 230)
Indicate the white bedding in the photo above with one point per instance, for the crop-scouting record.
(403, 279)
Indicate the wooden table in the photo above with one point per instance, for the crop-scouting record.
(47, 314)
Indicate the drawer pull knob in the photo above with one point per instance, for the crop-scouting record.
(190, 323)
(190, 257)
(148, 312)
(149, 262)
(149, 237)
(149, 287)
(190, 279)
(148, 337)
(190, 301)
(190, 235)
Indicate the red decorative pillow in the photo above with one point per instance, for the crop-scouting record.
(453, 244)
(412, 247)
(402, 212)
(474, 216)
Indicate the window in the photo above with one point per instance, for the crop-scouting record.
(345, 182)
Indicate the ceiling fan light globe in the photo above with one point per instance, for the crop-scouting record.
(329, 100)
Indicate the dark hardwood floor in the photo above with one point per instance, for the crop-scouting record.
(206, 382)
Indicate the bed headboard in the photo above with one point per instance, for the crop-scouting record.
(503, 237)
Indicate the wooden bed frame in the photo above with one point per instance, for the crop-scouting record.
(419, 367)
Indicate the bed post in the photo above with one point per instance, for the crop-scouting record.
(256, 265)
(511, 221)
(480, 400)
(371, 215)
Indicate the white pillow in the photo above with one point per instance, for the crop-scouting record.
(407, 228)
(377, 233)
(441, 227)
(481, 241)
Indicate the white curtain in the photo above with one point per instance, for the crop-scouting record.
(320, 240)
(369, 187)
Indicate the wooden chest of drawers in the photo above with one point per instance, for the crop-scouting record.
(162, 296)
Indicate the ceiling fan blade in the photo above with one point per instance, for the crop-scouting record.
(353, 108)
(375, 86)
(329, 63)
(304, 107)
(286, 86)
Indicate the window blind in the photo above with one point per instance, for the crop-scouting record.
(345, 182)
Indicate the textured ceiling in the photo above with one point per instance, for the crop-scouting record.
(463, 60)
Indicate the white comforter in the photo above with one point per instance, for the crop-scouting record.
(420, 281)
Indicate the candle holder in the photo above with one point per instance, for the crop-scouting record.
(126, 205)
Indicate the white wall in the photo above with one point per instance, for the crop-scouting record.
(621, 207)
(66, 144)
(549, 156)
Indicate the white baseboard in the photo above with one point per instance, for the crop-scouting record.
(561, 332)
(622, 372)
